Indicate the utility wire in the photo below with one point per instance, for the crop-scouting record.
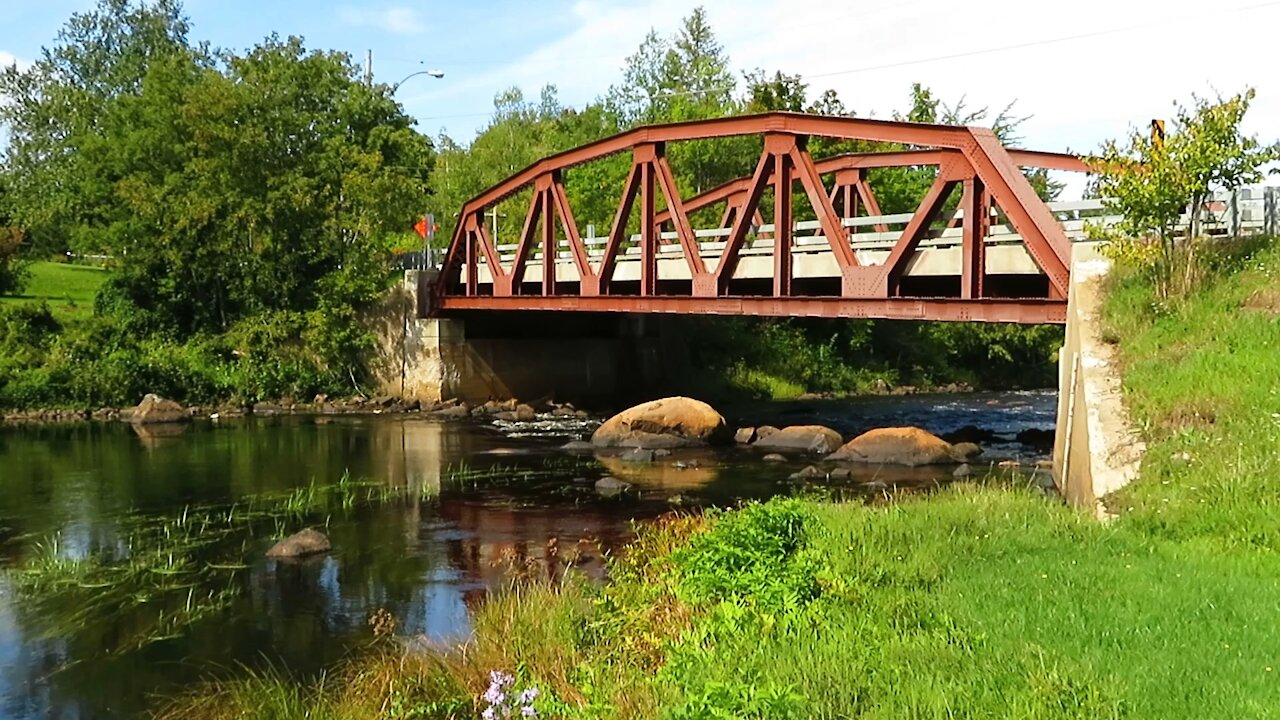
(950, 56)
(1029, 44)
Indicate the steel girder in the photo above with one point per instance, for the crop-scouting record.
(968, 158)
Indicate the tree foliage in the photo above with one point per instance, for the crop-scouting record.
(1154, 183)
(11, 271)
(246, 196)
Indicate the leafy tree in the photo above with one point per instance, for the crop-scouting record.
(779, 92)
(685, 77)
(54, 107)
(11, 272)
(244, 196)
(1153, 183)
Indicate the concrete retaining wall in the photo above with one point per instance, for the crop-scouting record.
(1096, 451)
(435, 359)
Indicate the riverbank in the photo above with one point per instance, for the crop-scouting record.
(424, 517)
(389, 404)
(976, 601)
(66, 354)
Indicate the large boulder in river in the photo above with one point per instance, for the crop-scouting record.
(666, 423)
(155, 409)
(897, 446)
(802, 438)
(300, 544)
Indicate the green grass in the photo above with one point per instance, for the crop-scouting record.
(1202, 378)
(68, 289)
(978, 601)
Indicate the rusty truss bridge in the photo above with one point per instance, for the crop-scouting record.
(999, 255)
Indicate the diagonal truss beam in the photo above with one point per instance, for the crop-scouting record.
(618, 231)
(924, 216)
(742, 222)
(675, 210)
(570, 226)
(972, 157)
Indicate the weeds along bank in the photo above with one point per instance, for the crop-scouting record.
(981, 600)
(60, 347)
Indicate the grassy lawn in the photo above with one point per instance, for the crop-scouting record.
(68, 289)
(980, 601)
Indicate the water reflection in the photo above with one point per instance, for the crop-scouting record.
(427, 552)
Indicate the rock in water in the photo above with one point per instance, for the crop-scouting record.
(897, 446)
(578, 446)
(300, 544)
(638, 455)
(666, 423)
(155, 409)
(969, 434)
(806, 438)
(1036, 438)
(965, 451)
(774, 457)
(765, 431)
(809, 473)
(745, 435)
(609, 486)
(453, 411)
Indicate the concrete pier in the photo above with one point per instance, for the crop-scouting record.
(571, 357)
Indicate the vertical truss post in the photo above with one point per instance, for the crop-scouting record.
(782, 226)
(648, 231)
(977, 225)
(549, 249)
(472, 264)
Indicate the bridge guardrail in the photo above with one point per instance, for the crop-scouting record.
(1247, 210)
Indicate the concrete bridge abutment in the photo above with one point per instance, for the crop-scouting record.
(1096, 450)
(584, 358)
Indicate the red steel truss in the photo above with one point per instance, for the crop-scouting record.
(971, 159)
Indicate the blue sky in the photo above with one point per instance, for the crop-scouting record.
(1083, 70)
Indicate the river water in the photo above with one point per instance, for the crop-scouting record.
(133, 566)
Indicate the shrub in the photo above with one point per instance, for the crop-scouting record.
(754, 553)
(12, 273)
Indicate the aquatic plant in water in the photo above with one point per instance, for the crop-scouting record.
(171, 572)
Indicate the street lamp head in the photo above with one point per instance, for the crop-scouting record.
(433, 73)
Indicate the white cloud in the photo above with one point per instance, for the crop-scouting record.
(1084, 71)
(8, 58)
(398, 19)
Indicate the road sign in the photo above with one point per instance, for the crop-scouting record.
(1157, 133)
(426, 227)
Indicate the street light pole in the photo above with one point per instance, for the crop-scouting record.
(437, 74)
(428, 221)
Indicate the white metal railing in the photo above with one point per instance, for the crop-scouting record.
(1245, 211)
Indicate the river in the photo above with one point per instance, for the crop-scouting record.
(133, 566)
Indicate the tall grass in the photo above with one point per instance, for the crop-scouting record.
(978, 601)
(168, 573)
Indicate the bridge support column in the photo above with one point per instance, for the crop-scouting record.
(598, 360)
(411, 355)
(1096, 451)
